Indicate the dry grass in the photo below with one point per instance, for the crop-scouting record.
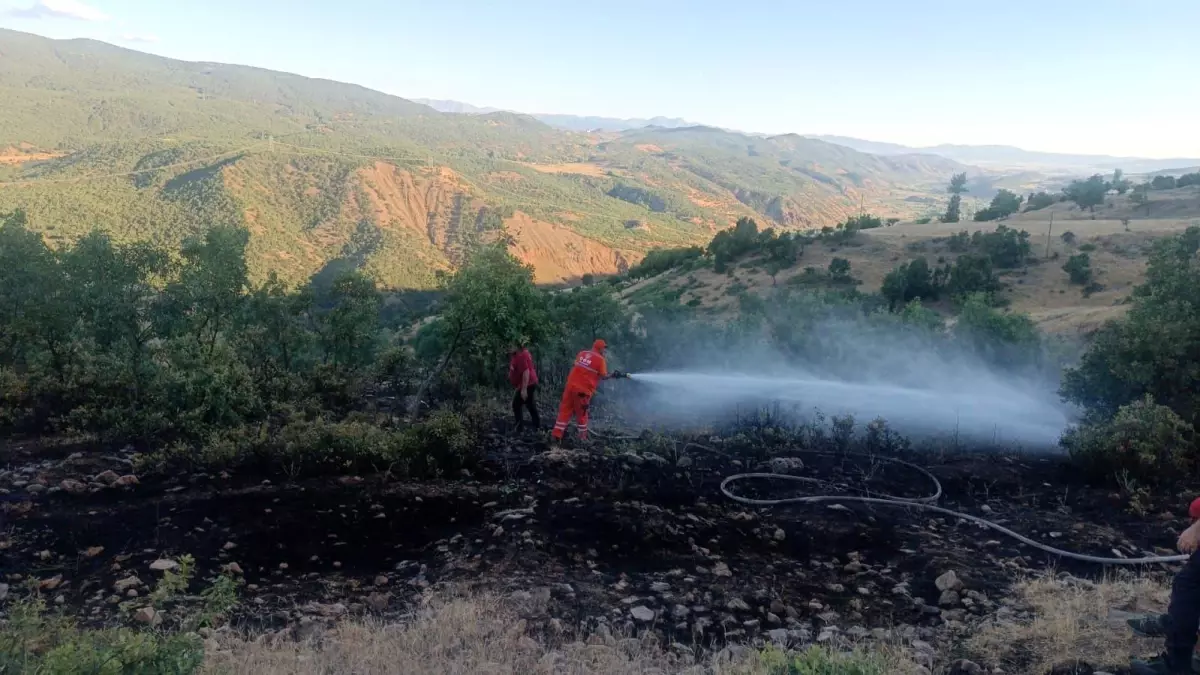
(580, 168)
(1042, 290)
(484, 635)
(1073, 620)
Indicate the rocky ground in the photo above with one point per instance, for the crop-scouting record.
(620, 540)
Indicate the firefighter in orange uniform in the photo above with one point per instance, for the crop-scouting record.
(590, 368)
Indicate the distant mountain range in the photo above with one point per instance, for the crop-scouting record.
(567, 122)
(996, 157)
(1010, 157)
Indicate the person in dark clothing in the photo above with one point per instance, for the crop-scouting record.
(1183, 613)
(523, 377)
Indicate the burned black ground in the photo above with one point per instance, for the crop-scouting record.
(582, 539)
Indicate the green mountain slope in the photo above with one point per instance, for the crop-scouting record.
(325, 173)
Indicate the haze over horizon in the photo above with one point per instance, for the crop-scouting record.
(1101, 77)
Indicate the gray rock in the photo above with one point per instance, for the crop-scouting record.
(122, 585)
(108, 477)
(948, 599)
(3, 591)
(721, 570)
(163, 565)
(148, 616)
(379, 601)
(35, 488)
(72, 486)
(684, 462)
(642, 613)
(949, 582)
(737, 605)
(680, 612)
(965, 667)
(128, 480)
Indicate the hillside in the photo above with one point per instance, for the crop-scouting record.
(1042, 289)
(93, 135)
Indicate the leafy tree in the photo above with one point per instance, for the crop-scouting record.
(212, 281)
(1007, 247)
(1119, 182)
(839, 270)
(660, 260)
(1039, 200)
(1087, 194)
(953, 210)
(1145, 440)
(1163, 183)
(971, 274)
(958, 183)
(490, 303)
(1068, 237)
(1188, 179)
(1155, 349)
(732, 243)
(347, 321)
(1141, 196)
(864, 221)
(1002, 338)
(1004, 204)
(909, 281)
(1079, 268)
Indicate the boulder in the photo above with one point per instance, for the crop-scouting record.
(108, 477)
(128, 480)
(949, 582)
(163, 564)
(642, 613)
(72, 486)
(148, 616)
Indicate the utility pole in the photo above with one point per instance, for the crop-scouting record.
(1048, 231)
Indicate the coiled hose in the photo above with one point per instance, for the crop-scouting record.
(927, 503)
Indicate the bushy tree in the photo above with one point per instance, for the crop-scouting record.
(953, 210)
(839, 270)
(971, 274)
(1039, 200)
(1188, 179)
(490, 303)
(660, 260)
(1155, 349)
(1143, 440)
(910, 281)
(1004, 204)
(1163, 183)
(1079, 268)
(1087, 194)
(1141, 197)
(1119, 182)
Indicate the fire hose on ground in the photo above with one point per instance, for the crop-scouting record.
(928, 503)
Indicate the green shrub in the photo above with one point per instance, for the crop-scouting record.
(35, 641)
(1079, 269)
(1144, 440)
(817, 660)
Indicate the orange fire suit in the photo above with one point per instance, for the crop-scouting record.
(590, 367)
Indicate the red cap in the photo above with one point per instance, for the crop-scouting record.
(1194, 509)
(599, 345)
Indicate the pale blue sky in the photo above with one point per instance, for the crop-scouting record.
(1102, 76)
